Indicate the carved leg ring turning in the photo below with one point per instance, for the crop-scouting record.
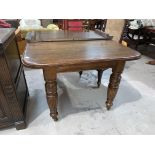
(112, 89)
(113, 86)
(51, 93)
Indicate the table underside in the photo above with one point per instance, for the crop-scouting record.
(50, 76)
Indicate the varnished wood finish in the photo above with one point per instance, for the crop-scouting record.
(56, 36)
(69, 56)
(149, 38)
(13, 88)
(60, 54)
(115, 79)
(51, 90)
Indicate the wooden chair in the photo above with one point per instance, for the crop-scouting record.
(133, 37)
(99, 24)
(76, 25)
(73, 25)
(149, 36)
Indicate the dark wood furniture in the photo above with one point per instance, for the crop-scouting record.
(133, 37)
(145, 36)
(73, 25)
(84, 24)
(13, 87)
(99, 24)
(71, 36)
(59, 36)
(149, 35)
(14, 22)
(69, 56)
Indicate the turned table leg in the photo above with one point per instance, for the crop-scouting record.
(51, 91)
(114, 82)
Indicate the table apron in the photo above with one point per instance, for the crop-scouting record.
(87, 66)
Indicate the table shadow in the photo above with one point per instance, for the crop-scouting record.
(37, 105)
(76, 98)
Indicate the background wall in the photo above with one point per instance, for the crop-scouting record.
(114, 27)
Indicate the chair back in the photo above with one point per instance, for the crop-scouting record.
(73, 25)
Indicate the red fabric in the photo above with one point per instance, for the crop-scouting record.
(65, 25)
(73, 25)
(4, 24)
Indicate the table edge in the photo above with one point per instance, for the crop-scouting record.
(34, 65)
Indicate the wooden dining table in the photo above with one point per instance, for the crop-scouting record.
(65, 51)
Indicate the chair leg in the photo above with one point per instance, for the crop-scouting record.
(136, 46)
(100, 72)
(80, 73)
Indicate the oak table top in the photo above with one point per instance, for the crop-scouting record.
(91, 51)
(41, 54)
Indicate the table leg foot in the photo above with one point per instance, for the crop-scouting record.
(152, 62)
(108, 105)
(54, 116)
(20, 125)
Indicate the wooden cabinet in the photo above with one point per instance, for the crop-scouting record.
(13, 87)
